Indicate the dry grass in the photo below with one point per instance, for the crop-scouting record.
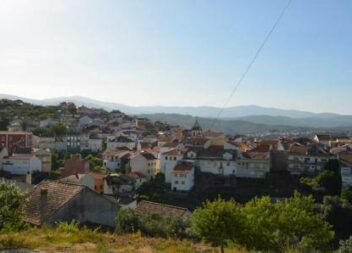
(85, 240)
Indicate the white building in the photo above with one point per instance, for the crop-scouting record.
(168, 161)
(43, 142)
(215, 160)
(183, 177)
(81, 179)
(146, 164)
(346, 169)
(300, 161)
(91, 142)
(95, 144)
(21, 164)
(116, 159)
(252, 167)
(114, 142)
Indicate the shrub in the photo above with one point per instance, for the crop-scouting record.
(345, 246)
(129, 221)
(12, 201)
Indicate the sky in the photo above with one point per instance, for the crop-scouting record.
(180, 52)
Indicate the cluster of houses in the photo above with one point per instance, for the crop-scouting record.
(134, 150)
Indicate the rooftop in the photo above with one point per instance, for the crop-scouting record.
(148, 207)
(58, 194)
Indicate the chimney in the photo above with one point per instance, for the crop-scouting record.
(43, 203)
(29, 177)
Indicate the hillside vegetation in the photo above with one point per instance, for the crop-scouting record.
(229, 126)
(68, 238)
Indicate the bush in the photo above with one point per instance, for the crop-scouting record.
(264, 225)
(345, 246)
(68, 227)
(12, 202)
(155, 225)
(347, 194)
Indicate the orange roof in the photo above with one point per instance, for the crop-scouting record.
(260, 149)
(149, 208)
(174, 152)
(299, 149)
(183, 167)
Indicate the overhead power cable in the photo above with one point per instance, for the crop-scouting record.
(249, 66)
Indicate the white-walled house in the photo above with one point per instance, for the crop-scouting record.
(21, 164)
(252, 167)
(168, 161)
(183, 176)
(114, 142)
(145, 163)
(116, 159)
(301, 161)
(81, 179)
(215, 160)
(346, 169)
(43, 142)
(218, 161)
(95, 144)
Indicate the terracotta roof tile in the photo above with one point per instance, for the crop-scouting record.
(183, 167)
(58, 194)
(148, 207)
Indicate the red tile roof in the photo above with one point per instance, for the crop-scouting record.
(58, 194)
(149, 208)
(173, 152)
(183, 167)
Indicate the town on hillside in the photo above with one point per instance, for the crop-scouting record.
(85, 163)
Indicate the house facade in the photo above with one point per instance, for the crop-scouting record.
(22, 164)
(346, 169)
(168, 161)
(75, 165)
(114, 142)
(183, 176)
(146, 164)
(13, 140)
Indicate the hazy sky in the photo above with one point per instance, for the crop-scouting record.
(179, 52)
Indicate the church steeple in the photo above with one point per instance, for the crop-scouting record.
(196, 129)
(196, 126)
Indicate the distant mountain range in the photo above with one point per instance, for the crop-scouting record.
(260, 117)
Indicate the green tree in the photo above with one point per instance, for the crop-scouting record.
(127, 221)
(219, 222)
(12, 202)
(95, 163)
(58, 130)
(347, 194)
(289, 223)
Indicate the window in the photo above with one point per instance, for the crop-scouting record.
(175, 158)
(182, 182)
(166, 158)
(227, 163)
(176, 182)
